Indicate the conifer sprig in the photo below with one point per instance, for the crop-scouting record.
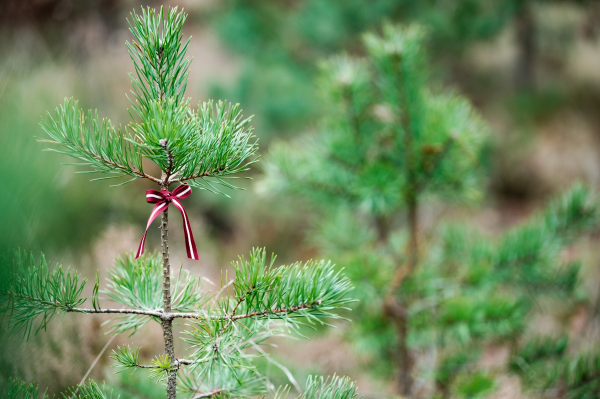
(159, 57)
(295, 294)
(96, 143)
(13, 389)
(324, 388)
(127, 358)
(204, 147)
(223, 147)
(223, 382)
(30, 290)
(90, 390)
(310, 291)
(219, 343)
(530, 254)
(137, 284)
(582, 376)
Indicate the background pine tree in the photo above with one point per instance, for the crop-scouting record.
(393, 142)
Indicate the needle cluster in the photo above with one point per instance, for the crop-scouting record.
(202, 147)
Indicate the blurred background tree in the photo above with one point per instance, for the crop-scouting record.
(265, 54)
(388, 144)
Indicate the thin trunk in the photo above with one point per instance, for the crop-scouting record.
(525, 30)
(394, 307)
(167, 324)
(405, 360)
(413, 226)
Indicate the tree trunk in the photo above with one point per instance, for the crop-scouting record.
(167, 324)
(525, 31)
(405, 361)
(393, 306)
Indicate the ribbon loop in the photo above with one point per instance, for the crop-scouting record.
(162, 199)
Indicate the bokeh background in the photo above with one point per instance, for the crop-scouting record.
(532, 68)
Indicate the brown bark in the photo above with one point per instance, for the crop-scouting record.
(167, 323)
(393, 306)
(405, 360)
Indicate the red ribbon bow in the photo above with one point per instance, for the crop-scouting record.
(162, 199)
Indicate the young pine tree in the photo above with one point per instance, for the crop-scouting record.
(194, 148)
(389, 143)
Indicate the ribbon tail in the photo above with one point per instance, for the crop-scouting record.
(158, 209)
(140, 250)
(190, 243)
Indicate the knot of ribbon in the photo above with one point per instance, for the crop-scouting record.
(162, 199)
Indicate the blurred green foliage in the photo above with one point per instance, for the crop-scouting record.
(389, 143)
(281, 41)
(45, 206)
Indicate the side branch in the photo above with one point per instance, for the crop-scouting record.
(136, 172)
(171, 316)
(141, 366)
(187, 362)
(178, 364)
(265, 312)
(278, 311)
(113, 165)
(153, 313)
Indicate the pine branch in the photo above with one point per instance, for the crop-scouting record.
(222, 147)
(532, 249)
(138, 284)
(311, 290)
(159, 314)
(95, 143)
(263, 293)
(158, 56)
(87, 391)
(13, 389)
(181, 315)
(223, 381)
(29, 290)
(324, 388)
(582, 377)
(128, 358)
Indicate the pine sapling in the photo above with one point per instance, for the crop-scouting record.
(194, 148)
(389, 142)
